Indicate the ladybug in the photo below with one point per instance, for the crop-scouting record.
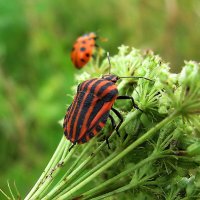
(83, 49)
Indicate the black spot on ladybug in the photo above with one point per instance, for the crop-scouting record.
(82, 49)
(83, 42)
(87, 55)
(82, 60)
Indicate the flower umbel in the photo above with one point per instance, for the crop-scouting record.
(154, 158)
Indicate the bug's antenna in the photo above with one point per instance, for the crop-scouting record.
(108, 56)
(136, 77)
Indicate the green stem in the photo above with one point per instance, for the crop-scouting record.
(82, 178)
(66, 149)
(124, 188)
(70, 170)
(10, 190)
(55, 165)
(139, 141)
(5, 194)
(52, 174)
(56, 189)
(96, 190)
(17, 191)
(194, 106)
(48, 167)
(60, 185)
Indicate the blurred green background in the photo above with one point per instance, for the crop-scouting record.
(36, 72)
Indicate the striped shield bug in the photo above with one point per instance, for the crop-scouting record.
(90, 109)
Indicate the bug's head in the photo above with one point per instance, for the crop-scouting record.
(111, 77)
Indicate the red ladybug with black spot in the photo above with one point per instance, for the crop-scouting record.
(83, 49)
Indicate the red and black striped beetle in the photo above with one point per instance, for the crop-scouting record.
(90, 109)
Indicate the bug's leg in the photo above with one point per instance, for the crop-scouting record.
(120, 117)
(113, 124)
(125, 136)
(112, 121)
(107, 142)
(133, 102)
(70, 148)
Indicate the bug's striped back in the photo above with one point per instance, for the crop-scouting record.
(90, 109)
